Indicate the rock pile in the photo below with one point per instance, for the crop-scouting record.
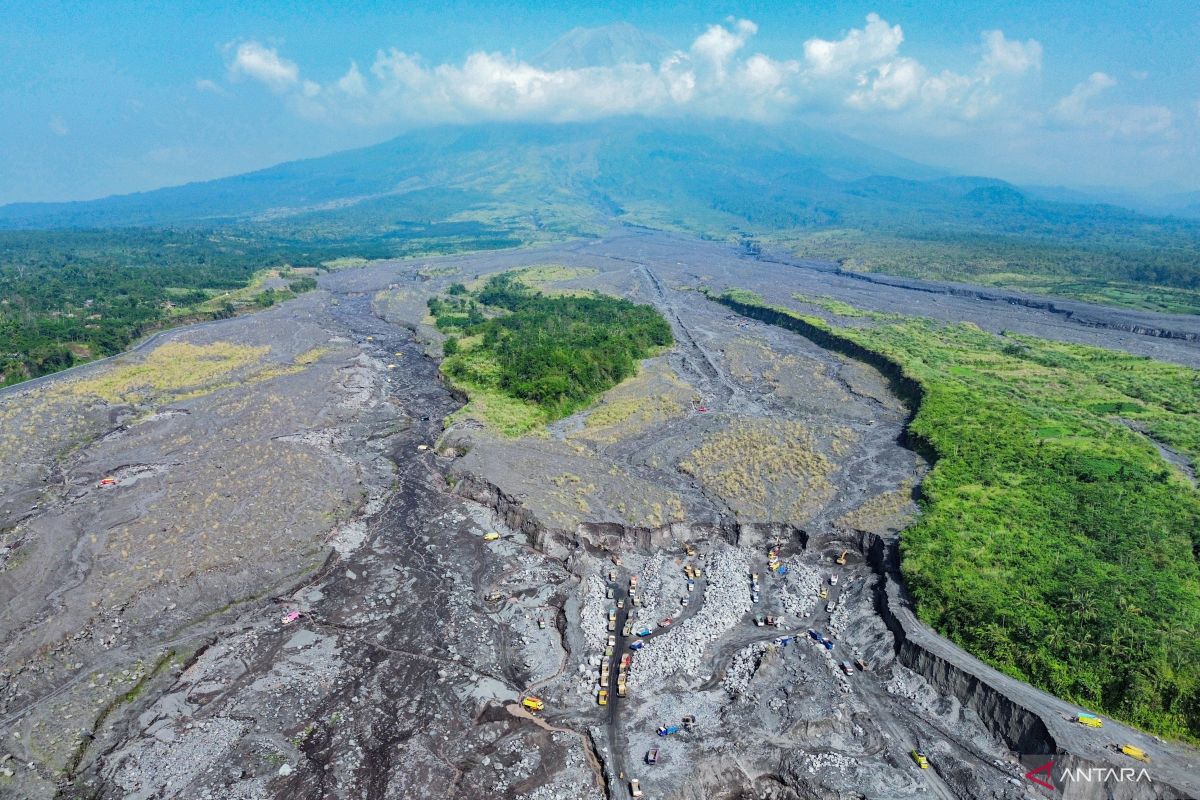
(726, 601)
(742, 668)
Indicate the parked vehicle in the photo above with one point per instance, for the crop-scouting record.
(1133, 752)
(920, 758)
(652, 755)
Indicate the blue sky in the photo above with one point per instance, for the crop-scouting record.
(106, 97)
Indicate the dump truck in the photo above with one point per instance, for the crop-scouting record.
(602, 698)
(921, 759)
(491, 536)
(823, 594)
(864, 666)
(533, 703)
(637, 645)
(667, 730)
(842, 558)
(635, 788)
(847, 667)
(833, 579)
(652, 755)
(632, 582)
(644, 632)
(760, 620)
(622, 687)
(1088, 720)
(1133, 752)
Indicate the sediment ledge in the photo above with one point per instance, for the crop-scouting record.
(978, 687)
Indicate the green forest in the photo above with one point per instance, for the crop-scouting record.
(71, 296)
(553, 353)
(1055, 542)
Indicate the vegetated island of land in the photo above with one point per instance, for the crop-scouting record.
(1055, 542)
(525, 358)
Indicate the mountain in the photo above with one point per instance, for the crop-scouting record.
(508, 162)
(717, 177)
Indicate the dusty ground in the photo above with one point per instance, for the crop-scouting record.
(295, 461)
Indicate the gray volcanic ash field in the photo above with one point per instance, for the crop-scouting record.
(247, 561)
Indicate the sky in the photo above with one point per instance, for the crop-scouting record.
(98, 98)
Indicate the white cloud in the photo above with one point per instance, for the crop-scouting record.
(352, 83)
(210, 86)
(862, 77)
(261, 63)
(58, 126)
(1133, 121)
(860, 47)
(1074, 106)
(895, 84)
(1009, 57)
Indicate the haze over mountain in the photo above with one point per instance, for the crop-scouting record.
(701, 175)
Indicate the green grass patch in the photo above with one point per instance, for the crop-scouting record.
(1055, 543)
(525, 358)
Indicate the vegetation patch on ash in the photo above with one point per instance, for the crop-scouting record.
(550, 355)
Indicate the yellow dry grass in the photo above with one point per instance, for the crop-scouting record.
(172, 368)
(765, 470)
(887, 511)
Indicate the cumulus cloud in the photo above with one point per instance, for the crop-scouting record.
(1074, 106)
(860, 47)
(264, 64)
(862, 73)
(1078, 109)
(1008, 57)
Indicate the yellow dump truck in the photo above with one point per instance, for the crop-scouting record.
(602, 698)
(491, 536)
(1088, 720)
(1134, 752)
(533, 703)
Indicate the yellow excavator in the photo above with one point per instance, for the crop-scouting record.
(841, 560)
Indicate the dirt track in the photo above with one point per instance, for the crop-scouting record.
(396, 679)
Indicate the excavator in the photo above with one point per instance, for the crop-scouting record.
(841, 560)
